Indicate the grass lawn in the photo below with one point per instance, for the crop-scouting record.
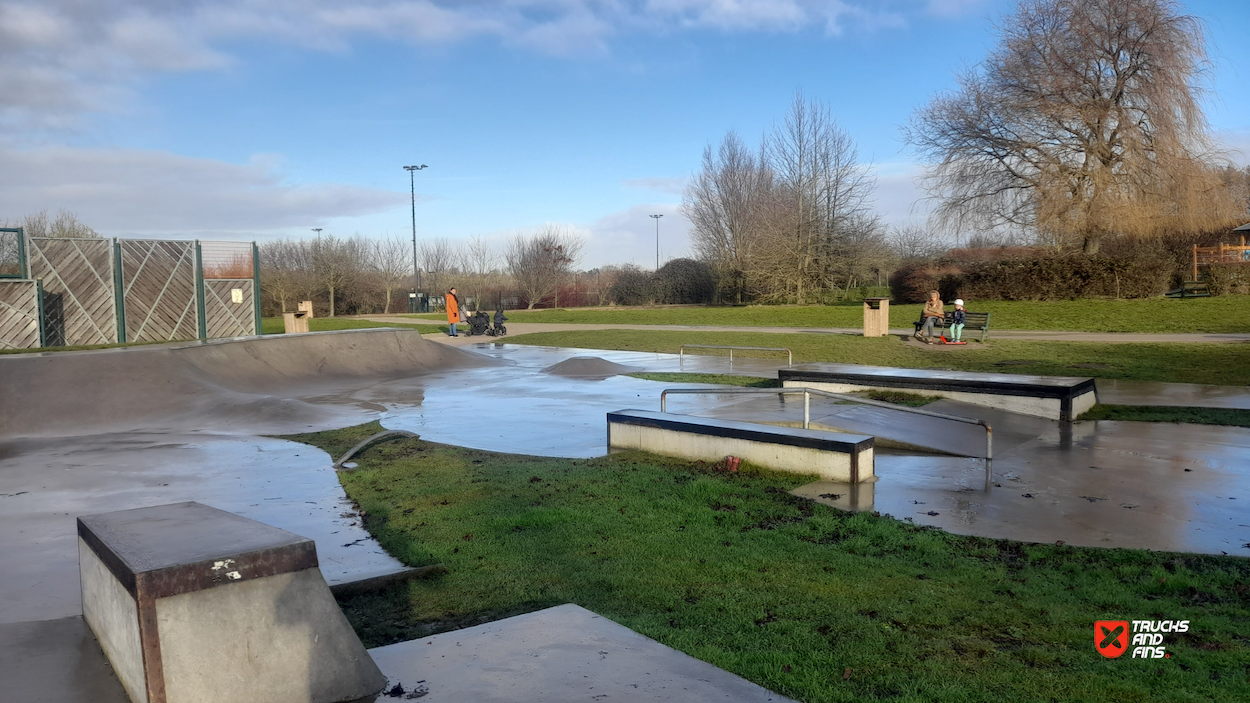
(813, 603)
(1222, 364)
(1227, 314)
(274, 325)
(1152, 413)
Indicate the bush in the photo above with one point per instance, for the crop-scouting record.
(1058, 277)
(633, 286)
(912, 283)
(685, 282)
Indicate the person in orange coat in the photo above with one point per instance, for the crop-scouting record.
(453, 310)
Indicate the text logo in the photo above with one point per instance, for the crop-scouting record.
(1111, 637)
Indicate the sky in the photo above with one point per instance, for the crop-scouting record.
(263, 119)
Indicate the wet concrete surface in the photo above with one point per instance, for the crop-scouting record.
(1156, 486)
(564, 654)
(1196, 395)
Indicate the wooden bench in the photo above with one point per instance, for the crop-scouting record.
(833, 456)
(972, 321)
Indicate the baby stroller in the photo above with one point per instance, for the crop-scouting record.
(499, 329)
(479, 323)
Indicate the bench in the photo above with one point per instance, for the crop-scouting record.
(972, 321)
(831, 455)
(191, 603)
(1061, 398)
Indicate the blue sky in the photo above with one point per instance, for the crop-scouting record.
(236, 119)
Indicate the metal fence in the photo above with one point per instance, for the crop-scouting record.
(102, 291)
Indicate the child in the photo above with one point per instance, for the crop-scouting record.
(957, 320)
(932, 316)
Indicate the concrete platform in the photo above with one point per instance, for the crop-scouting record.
(192, 604)
(831, 455)
(564, 654)
(1054, 397)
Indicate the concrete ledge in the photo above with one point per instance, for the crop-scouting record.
(1053, 397)
(191, 603)
(830, 455)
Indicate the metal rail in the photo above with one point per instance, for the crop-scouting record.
(807, 407)
(681, 351)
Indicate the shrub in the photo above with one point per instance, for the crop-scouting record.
(912, 282)
(685, 282)
(633, 286)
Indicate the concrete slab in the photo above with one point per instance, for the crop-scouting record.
(830, 455)
(564, 654)
(55, 661)
(1053, 397)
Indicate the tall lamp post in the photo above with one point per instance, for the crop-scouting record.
(412, 184)
(317, 230)
(657, 240)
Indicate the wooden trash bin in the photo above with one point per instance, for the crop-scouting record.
(295, 321)
(876, 317)
(305, 306)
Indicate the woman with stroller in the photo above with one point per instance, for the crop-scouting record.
(453, 311)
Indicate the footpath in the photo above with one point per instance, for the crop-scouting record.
(519, 328)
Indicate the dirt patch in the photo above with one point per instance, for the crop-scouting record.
(589, 368)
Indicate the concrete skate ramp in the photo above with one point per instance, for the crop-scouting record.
(261, 384)
(589, 367)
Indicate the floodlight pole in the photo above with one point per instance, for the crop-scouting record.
(657, 240)
(317, 230)
(412, 184)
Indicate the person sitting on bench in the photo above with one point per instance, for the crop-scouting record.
(932, 316)
(957, 320)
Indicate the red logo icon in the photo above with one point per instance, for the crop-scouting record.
(1111, 637)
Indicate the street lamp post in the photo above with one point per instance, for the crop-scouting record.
(412, 184)
(317, 230)
(657, 240)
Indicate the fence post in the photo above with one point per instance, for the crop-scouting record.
(43, 332)
(256, 287)
(119, 291)
(200, 313)
(23, 270)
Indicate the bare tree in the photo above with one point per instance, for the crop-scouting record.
(477, 262)
(65, 224)
(284, 270)
(539, 263)
(390, 261)
(1083, 122)
(726, 203)
(438, 259)
(915, 243)
(336, 263)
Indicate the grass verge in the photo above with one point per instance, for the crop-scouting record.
(1222, 314)
(1153, 413)
(1221, 364)
(808, 601)
(718, 379)
(274, 325)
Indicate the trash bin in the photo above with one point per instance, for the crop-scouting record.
(876, 317)
(295, 321)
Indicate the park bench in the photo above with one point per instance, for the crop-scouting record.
(972, 321)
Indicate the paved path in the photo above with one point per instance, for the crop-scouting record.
(519, 328)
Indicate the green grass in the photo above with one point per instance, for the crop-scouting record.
(911, 400)
(810, 602)
(1225, 314)
(720, 379)
(1151, 413)
(1221, 364)
(274, 325)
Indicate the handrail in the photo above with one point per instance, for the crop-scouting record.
(681, 351)
(807, 407)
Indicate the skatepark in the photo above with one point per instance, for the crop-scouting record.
(94, 432)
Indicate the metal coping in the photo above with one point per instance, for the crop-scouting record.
(734, 429)
(287, 553)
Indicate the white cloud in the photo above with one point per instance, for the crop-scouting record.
(62, 58)
(900, 199)
(671, 186)
(628, 236)
(127, 192)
